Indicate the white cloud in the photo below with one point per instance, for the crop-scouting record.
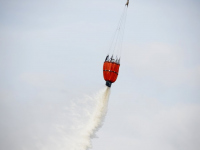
(162, 62)
(44, 80)
(152, 127)
(50, 37)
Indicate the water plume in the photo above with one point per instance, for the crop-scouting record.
(96, 117)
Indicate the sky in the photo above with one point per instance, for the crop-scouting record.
(52, 54)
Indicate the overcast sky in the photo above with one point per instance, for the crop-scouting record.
(52, 53)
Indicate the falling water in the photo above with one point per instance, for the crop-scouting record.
(96, 117)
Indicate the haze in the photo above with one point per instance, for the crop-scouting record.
(52, 53)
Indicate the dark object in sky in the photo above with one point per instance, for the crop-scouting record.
(108, 83)
(127, 3)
